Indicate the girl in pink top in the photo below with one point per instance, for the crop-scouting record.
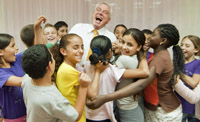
(101, 52)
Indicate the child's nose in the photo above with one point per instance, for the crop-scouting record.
(81, 50)
(124, 46)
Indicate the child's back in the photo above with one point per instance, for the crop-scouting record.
(46, 104)
(108, 80)
(43, 100)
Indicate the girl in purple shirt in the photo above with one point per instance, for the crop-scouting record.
(11, 97)
(190, 46)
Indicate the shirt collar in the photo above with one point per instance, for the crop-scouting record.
(100, 31)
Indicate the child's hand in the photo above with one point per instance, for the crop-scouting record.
(114, 45)
(84, 80)
(100, 67)
(39, 21)
(39, 37)
(176, 79)
(96, 101)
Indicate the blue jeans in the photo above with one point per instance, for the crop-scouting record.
(190, 118)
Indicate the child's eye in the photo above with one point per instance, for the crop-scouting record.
(75, 47)
(129, 44)
(187, 46)
(46, 33)
(117, 32)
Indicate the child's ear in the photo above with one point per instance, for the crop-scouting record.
(164, 41)
(50, 66)
(139, 47)
(63, 51)
(196, 51)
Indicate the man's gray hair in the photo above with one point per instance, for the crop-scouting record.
(105, 4)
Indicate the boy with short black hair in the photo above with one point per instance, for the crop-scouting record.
(43, 101)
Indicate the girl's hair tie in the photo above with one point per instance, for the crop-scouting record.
(96, 50)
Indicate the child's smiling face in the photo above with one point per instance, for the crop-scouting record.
(129, 45)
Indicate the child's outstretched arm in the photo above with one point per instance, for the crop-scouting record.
(14, 81)
(191, 81)
(84, 81)
(141, 72)
(131, 89)
(39, 38)
(190, 95)
(94, 85)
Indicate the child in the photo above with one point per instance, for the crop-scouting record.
(51, 34)
(27, 35)
(13, 75)
(190, 46)
(116, 46)
(146, 47)
(11, 96)
(62, 29)
(47, 36)
(149, 56)
(119, 30)
(164, 105)
(67, 54)
(43, 100)
(132, 42)
(102, 52)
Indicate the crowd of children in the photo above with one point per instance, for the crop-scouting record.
(121, 82)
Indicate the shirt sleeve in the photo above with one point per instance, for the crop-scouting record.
(19, 57)
(64, 111)
(3, 77)
(113, 39)
(26, 79)
(191, 96)
(127, 62)
(117, 73)
(75, 29)
(159, 65)
(197, 69)
(120, 62)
